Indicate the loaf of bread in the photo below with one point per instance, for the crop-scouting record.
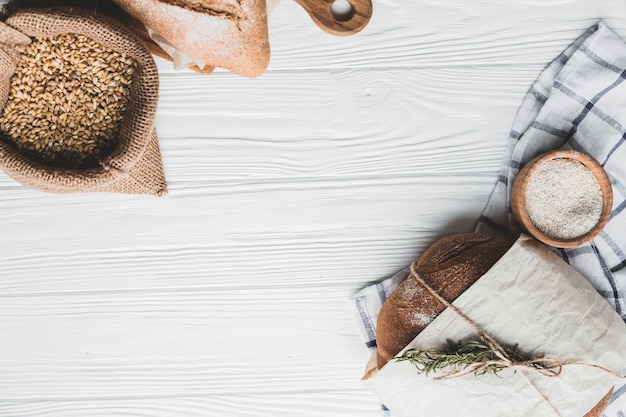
(230, 34)
(450, 266)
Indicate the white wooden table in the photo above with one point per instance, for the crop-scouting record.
(287, 194)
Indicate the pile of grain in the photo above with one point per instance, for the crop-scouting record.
(66, 101)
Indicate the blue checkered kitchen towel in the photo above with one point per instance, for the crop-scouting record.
(579, 102)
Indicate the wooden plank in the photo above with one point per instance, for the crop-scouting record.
(305, 404)
(356, 234)
(273, 350)
(428, 34)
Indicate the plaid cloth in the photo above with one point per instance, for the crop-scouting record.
(578, 102)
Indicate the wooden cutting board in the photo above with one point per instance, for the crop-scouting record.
(339, 17)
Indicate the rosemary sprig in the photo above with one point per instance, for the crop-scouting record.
(461, 355)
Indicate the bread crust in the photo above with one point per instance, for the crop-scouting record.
(450, 266)
(231, 34)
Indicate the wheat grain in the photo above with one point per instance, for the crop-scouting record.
(66, 101)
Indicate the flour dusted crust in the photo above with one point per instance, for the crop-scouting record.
(230, 34)
(450, 266)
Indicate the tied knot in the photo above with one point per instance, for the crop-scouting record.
(478, 357)
(506, 358)
(545, 366)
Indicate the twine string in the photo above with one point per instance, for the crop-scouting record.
(545, 366)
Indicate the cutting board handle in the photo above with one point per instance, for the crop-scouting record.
(339, 17)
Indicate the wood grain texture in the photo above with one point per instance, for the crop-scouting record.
(339, 21)
(287, 194)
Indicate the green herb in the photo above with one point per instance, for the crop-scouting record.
(478, 355)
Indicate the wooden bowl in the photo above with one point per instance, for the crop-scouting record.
(518, 197)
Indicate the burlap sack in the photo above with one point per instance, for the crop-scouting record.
(135, 165)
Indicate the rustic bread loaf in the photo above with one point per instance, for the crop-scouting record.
(450, 266)
(230, 34)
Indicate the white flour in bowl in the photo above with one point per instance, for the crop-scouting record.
(563, 199)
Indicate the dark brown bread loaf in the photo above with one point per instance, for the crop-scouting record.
(450, 266)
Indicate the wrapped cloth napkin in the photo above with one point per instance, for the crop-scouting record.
(578, 102)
